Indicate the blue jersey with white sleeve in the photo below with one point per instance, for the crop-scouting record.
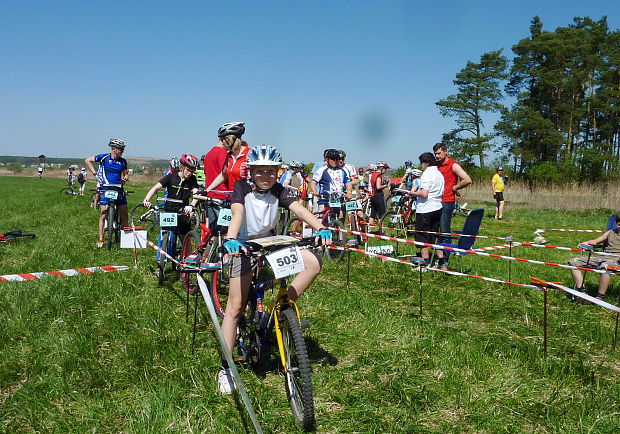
(110, 171)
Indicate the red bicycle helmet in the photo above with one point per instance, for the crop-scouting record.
(188, 160)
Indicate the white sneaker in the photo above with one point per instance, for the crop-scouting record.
(100, 244)
(225, 382)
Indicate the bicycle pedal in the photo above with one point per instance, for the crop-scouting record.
(239, 359)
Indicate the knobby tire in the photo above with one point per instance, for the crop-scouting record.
(298, 380)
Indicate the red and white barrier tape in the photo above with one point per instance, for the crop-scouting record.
(540, 231)
(572, 249)
(579, 294)
(502, 246)
(473, 252)
(22, 277)
(207, 265)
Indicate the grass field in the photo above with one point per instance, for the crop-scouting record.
(112, 352)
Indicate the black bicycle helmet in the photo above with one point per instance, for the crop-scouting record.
(231, 128)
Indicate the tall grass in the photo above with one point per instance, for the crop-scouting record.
(568, 196)
(112, 352)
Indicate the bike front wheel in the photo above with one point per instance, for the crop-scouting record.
(339, 239)
(192, 257)
(67, 191)
(298, 380)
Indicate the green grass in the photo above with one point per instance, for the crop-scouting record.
(112, 352)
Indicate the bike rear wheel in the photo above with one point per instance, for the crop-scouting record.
(220, 280)
(144, 217)
(392, 224)
(298, 380)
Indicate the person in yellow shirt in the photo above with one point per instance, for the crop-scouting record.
(497, 187)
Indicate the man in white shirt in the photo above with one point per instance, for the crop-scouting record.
(428, 210)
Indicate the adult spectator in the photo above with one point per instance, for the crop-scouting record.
(497, 187)
(612, 245)
(455, 179)
(429, 207)
(376, 185)
(112, 170)
(82, 180)
(235, 167)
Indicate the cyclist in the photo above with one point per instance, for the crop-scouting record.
(351, 172)
(200, 174)
(214, 161)
(40, 170)
(112, 170)
(255, 203)
(173, 167)
(180, 184)
(376, 185)
(81, 178)
(70, 176)
(330, 179)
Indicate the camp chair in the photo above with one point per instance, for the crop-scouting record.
(470, 227)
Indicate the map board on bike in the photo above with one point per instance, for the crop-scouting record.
(131, 241)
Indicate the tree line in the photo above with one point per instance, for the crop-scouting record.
(563, 120)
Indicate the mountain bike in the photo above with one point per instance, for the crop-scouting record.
(202, 250)
(112, 225)
(68, 191)
(329, 217)
(14, 235)
(401, 217)
(282, 315)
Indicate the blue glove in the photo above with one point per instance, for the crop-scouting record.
(233, 246)
(324, 234)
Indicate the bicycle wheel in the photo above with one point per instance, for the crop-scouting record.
(111, 218)
(298, 380)
(143, 216)
(391, 224)
(219, 281)
(67, 191)
(191, 256)
(161, 258)
(294, 228)
(339, 239)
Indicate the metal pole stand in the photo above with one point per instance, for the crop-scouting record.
(509, 262)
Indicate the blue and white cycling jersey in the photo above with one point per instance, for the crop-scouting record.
(110, 171)
(330, 181)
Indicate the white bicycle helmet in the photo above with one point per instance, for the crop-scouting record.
(297, 164)
(116, 143)
(174, 163)
(264, 155)
(416, 172)
(372, 166)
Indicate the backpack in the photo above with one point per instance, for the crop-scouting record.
(80, 177)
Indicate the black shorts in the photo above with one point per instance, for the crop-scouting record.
(428, 221)
(377, 205)
(499, 196)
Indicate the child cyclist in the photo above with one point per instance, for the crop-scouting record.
(180, 185)
(254, 208)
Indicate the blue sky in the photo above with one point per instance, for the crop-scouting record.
(362, 76)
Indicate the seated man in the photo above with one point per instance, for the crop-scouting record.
(612, 240)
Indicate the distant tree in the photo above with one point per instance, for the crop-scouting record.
(16, 168)
(479, 91)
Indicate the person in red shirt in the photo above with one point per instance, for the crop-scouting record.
(214, 162)
(235, 167)
(455, 179)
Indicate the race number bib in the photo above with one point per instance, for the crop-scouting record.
(168, 219)
(111, 194)
(351, 205)
(225, 217)
(285, 262)
(334, 203)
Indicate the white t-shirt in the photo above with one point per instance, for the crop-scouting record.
(431, 180)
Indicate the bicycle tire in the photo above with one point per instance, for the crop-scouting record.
(294, 228)
(140, 216)
(391, 224)
(67, 191)
(339, 239)
(161, 258)
(298, 379)
(111, 216)
(220, 281)
(188, 278)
